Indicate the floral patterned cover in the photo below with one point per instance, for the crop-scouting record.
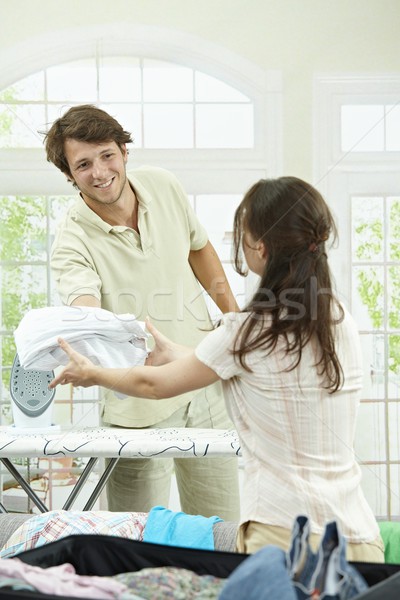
(114, 442)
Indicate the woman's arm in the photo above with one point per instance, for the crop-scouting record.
(182, 375)
(165, 350)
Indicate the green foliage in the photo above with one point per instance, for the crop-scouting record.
(23, 228)
(395, 230)
(6, 118)
(370, 236)
(23, 243)
(371, 293)
(394, 354)
(372, 242)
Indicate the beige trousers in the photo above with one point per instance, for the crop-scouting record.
(207, 486)
(252, 536)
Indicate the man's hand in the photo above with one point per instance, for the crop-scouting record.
(79, 371)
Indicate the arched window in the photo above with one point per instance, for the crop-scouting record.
(193, 108)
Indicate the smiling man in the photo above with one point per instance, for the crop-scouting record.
(132, 244)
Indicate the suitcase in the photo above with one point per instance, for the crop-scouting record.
(104, 555)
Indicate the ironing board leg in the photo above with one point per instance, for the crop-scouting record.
(79, 484)
(101, 483)
(24, 484)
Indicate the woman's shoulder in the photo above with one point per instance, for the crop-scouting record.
(233, 320)
(237, 322)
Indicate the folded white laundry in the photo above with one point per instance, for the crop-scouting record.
(108, 339)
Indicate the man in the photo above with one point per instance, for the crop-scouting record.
(133, 244)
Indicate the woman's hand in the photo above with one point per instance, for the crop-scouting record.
(164, 351)
(79, 371)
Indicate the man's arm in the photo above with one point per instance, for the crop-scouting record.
(208, 269)
(86, 300)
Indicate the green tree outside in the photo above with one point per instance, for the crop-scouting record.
(370, 285)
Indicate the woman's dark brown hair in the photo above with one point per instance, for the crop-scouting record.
(294, 222)
(85, 123)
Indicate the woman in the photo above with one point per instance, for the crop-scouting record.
(290, 365)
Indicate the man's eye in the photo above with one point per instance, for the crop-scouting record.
(82, 165)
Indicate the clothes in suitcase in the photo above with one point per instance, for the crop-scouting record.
(101, 555)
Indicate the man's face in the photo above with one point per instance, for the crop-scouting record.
(98, 170)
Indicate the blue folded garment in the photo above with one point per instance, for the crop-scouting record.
(165, 526)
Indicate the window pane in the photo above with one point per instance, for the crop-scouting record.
(7, 357)
(23, 228)
(224, 126)
(393, 489)
(120, 80)
(216, 213)
(362, 128)
(393, 128)
(8, 351)
(373, 349)
(22, 288)
(191, 201)
(367, 228)
(376, 487)
(59, 205)
(21, 125)
(370, 432)
(75, 82)
(209, 89)
(368, 294)
(394, 366)
(394, 228)
(123, 86)
(130, 117)
(166, 82)
(394, 430)
(55, 111)
(238, 286)
(168, 126)
(30, 88)
(394, 297)
(237, 283)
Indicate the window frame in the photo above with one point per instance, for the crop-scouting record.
(340, 176)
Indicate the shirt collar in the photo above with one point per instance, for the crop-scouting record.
(83, 210)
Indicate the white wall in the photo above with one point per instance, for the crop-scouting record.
(299, 37)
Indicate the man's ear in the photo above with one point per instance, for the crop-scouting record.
(124, 152)
(71, 180)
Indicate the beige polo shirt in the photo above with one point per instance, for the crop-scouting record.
(146, 274)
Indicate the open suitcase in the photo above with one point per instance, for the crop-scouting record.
(108, 555)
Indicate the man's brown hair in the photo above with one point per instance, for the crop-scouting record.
(85, 123)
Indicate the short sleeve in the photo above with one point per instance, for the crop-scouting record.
(215, 350)
(71, 268)
(198, 234)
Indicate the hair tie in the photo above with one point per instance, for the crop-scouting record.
(313, 247)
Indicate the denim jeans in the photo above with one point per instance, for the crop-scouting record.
(325, 574)
(261, 576)
(299, 574)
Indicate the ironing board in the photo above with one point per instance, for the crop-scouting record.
(112, 443)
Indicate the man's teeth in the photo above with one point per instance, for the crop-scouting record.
(103, 185)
